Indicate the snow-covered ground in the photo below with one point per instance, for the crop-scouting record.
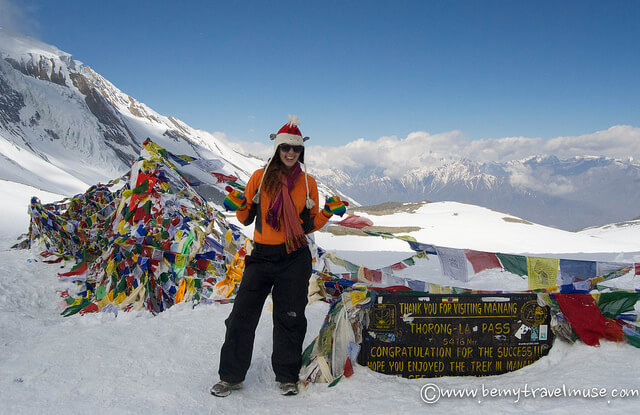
(138, 363)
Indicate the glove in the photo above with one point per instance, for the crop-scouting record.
(235, 199)
(334, 206)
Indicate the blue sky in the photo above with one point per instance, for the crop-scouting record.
(361, 69)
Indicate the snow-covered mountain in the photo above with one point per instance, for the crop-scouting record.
(63, 127)
(570, 194)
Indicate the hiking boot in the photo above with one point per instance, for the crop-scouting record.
(288, 388)
(222, 388)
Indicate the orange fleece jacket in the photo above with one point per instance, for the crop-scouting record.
(270, 236)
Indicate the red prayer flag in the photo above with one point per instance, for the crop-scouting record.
(584, 316)
(203, 264)
(399, 266)
(91, 308)
(356, 222)
(482, 260)
(78, 270)
(224, 178)
(348, 369)
(372, 275)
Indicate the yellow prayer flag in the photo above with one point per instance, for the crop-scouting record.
(120, 298)
(543, 272)
(111, 266)
(104, 302)
(180, 261)
(440, 289)
(357, 296)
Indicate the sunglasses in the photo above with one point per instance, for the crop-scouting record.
(286, 147)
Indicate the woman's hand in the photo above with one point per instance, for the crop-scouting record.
(335, 206)
(235, 199)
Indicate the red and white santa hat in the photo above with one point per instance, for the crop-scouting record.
(288, 134)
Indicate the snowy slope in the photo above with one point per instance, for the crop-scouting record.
(137, 363)
(465, 226)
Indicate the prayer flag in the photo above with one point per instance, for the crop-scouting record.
(482, 260)
(613, 304)
(417, 285)
(515, 264)
(543, 272)
(420, 247)
(356, 222)
(453, 262)
(573, 270)
(605, 268)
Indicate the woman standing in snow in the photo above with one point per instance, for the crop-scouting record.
(283, 201)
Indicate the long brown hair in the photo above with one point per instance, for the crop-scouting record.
(276, 168)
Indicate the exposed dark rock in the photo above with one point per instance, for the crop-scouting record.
(11, 102)
(127, 159)
(41, 70)
(113, 128)
(34, 119)
(52, 134)
(175, 135)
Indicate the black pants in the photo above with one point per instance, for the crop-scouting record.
(268, 268)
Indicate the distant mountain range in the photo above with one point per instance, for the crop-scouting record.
(63, 127)
(569, 194)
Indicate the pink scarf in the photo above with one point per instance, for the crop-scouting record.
(283, 211)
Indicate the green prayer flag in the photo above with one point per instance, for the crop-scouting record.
(101, 292)
(188, 242)
(69, 311)
(335, 381)
(164, 277)
(121, 287)
(306, 355)
(515, 264)
(144, 186)
(615, 303)
(351, 267)
(633, 340)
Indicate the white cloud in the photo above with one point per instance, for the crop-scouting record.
(17, 19)
(539, 180)
(256, 149)
(392, 154)
(420, 149)
(620, 141)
